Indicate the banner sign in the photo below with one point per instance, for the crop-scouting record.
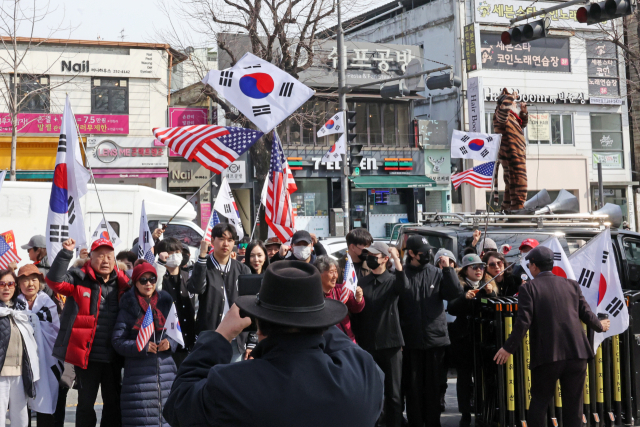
(124, 152)
(471, 38)
(475, 95)
(549, 54)
(50, 123)
(188, 116)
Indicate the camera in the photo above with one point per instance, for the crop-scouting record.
(249, 284)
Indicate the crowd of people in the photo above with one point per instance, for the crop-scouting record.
(79, 325)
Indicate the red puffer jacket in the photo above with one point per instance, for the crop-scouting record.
(80, 317)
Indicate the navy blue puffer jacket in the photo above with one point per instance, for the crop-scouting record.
(148, 377)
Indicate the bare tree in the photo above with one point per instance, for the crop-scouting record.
(22, 86)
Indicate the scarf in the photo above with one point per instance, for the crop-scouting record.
(158, 318)
(516, 116)
(474, 285)
(26, 331)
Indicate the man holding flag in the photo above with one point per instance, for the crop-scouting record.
(551, 308)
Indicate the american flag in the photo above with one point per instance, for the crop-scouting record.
(7, 255)
(480, 176)
(146, 330)
(214, 147)
(279, 211)
(213, 220)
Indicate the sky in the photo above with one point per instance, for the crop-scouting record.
(140, 19)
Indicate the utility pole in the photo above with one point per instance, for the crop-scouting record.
(342, 105)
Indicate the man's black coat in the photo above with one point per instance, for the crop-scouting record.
(294, 380)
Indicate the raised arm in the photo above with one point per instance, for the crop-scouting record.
(197, 283)
(450, 287)
(58, 278)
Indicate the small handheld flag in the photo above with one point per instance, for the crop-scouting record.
(350, 278)
(146, 330)
(7, 255)
(213, 221)
(172, 325)
(145, 242)
(226, 205)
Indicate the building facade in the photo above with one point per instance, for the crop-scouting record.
(119, 91)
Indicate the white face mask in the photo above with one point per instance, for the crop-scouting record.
(174, 260)
(302, 252)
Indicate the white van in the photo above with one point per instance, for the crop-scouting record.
(24, 208)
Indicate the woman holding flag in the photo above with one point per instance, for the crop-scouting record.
(149, 369)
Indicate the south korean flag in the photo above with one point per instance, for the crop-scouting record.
(334, 125)
(476, 146)
(562, 266)
(335, 152)
(264, 93)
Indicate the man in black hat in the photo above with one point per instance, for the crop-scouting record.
(301, 249)
(551, 308)
(301, 374)
(424, 327)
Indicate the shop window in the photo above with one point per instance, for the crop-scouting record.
(311, 198)
(389, 200)
(488, 122)
(405, 132)
(548, 128)
(389, 125)
(33, 93)
(606, 140)
(109, 96)
(361, 123)
(115, 226)
(375, 124)
(632, 260)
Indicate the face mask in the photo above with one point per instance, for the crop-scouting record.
(302, 252)
(129, 273)
(422, 259)
(174, 260)
(372, 262)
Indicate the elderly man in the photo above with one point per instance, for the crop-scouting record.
(86, 326)
(302, 373)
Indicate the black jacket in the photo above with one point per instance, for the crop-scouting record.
(185, 303)
(295, 380)
(208, 283)
(462, 308)
(5, 335)
(377, 326)
(422, 315)
(551, 309)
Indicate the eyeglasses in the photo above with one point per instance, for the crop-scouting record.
(477, 267)
(143, 280)
(9, 285)
(496, 264)
(243, 245)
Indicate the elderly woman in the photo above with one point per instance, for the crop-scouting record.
(506, 283)
(470, 276)
(19, 364)
(44, 315)
(328, 268)
(149, 372)
(256, 257)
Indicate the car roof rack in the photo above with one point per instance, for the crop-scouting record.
(467, 219)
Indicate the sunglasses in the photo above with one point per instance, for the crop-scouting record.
(496, 264)
(243, 245)
(143, 280)
(9, 285)
(477, 267)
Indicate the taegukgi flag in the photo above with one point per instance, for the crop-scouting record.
(588, 264)
(172, 325)
(561, 264)
(336, 151)
(336, 124)
(264, 93)
(69, 184)
(226, 205)
(476, 146)
(145, 241)
(350, 279)
(105, 231)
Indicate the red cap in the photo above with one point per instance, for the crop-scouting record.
(532, 243)
(101, 242)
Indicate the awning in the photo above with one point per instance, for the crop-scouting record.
(393, 181)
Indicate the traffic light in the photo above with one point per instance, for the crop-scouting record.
(604, 11)
(525, 33)
(355, 149)
(443, 81)
(394, 91)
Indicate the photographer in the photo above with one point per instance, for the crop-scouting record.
(299, 366)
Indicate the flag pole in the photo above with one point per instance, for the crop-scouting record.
(189, 199)
(256, 221)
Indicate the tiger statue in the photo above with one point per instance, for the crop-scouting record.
(509, 120)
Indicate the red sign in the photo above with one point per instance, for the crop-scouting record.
(50, 123)
(11, 240)
(188, 116)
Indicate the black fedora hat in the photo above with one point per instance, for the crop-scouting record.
(291, 295)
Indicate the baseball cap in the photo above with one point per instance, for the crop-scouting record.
(487, 244)
(301, 236)
(418, 244)
(101, 242)
(532, 243)
(37, 241)
(378, 248)
(272, 241)
(540, 255)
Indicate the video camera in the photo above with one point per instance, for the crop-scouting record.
(249, 284)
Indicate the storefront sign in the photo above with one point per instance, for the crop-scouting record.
(501, 11)
(549, 54)
(236, 173)
(602, 68)
(605, 101)
(433, 133)
(539, 127)
(123, 152)
(187, 174)
(189, 116)
(476, 106)
(471, 51)
(608, 160)
(367, 163)
(438, 166)
(558, 98)
(90, 124)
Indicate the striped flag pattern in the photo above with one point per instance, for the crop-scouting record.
(480, 176)
(213, 221)
(279, 210)
(214, 147)
(7, 255)
(146, 330)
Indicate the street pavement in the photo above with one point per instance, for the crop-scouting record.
(450, 418)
